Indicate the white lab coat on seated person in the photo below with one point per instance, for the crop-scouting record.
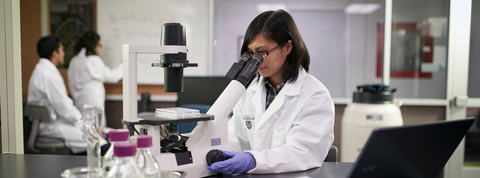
(293, 134)
(86, 75)
(46, 87)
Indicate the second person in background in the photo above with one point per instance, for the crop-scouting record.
(87, 73)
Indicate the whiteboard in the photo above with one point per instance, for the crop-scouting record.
(140, 22)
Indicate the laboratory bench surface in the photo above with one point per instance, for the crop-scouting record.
(36, 165)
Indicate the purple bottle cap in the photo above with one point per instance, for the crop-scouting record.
(124, 149)
(118, 135)
(144, 141)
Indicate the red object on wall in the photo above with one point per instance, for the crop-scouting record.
(417, 73)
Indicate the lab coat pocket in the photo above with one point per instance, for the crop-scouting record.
(278, 139)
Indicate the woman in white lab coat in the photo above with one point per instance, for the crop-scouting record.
(284, 121)
(87, 72)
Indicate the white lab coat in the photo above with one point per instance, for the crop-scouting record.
(293, 134)
(46, 87)
(86, 75)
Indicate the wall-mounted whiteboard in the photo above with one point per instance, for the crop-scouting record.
(139, 22)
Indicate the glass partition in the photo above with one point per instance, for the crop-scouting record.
(419, 48)
(472, 140)
(474, 64)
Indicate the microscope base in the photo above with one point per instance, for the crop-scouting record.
(198, 167)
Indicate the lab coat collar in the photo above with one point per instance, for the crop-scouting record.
(83, 52)
(293, 88)
(258, 88)
(290, 89)
(47, 62)
(256, 83)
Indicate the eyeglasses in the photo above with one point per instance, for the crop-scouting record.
(264, 54)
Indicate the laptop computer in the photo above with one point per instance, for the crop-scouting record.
(410, 151)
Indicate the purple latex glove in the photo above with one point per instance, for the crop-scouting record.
(237, 162)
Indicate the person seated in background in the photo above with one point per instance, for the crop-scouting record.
(46, 87)
(87, 72)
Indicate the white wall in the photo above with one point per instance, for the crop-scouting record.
(231, 19)
(361, 32)
(140, 22)
(325, 36)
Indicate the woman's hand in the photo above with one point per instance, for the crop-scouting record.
(237, 162)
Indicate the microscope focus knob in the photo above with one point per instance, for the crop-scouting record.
(215, 156)
(174, 138)
(164, 142)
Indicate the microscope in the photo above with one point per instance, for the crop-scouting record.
(192, 152)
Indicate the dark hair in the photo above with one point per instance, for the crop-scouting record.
(279, 26)
(88, 40)
(46, 45)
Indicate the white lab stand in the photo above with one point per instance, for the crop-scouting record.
(207, 135)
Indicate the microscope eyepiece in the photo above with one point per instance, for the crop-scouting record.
(246, 56)
(258, 58)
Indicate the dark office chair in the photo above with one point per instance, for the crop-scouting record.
(332, 155)
(144, 103)
(39, 114)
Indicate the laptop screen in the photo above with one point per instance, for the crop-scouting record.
(410, 151)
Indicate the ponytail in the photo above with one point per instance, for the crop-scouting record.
(88, 40)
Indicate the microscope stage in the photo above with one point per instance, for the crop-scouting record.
(150, 119)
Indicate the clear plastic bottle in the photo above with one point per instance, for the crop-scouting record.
(144, 159)
(114, 136)
(124, 165)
